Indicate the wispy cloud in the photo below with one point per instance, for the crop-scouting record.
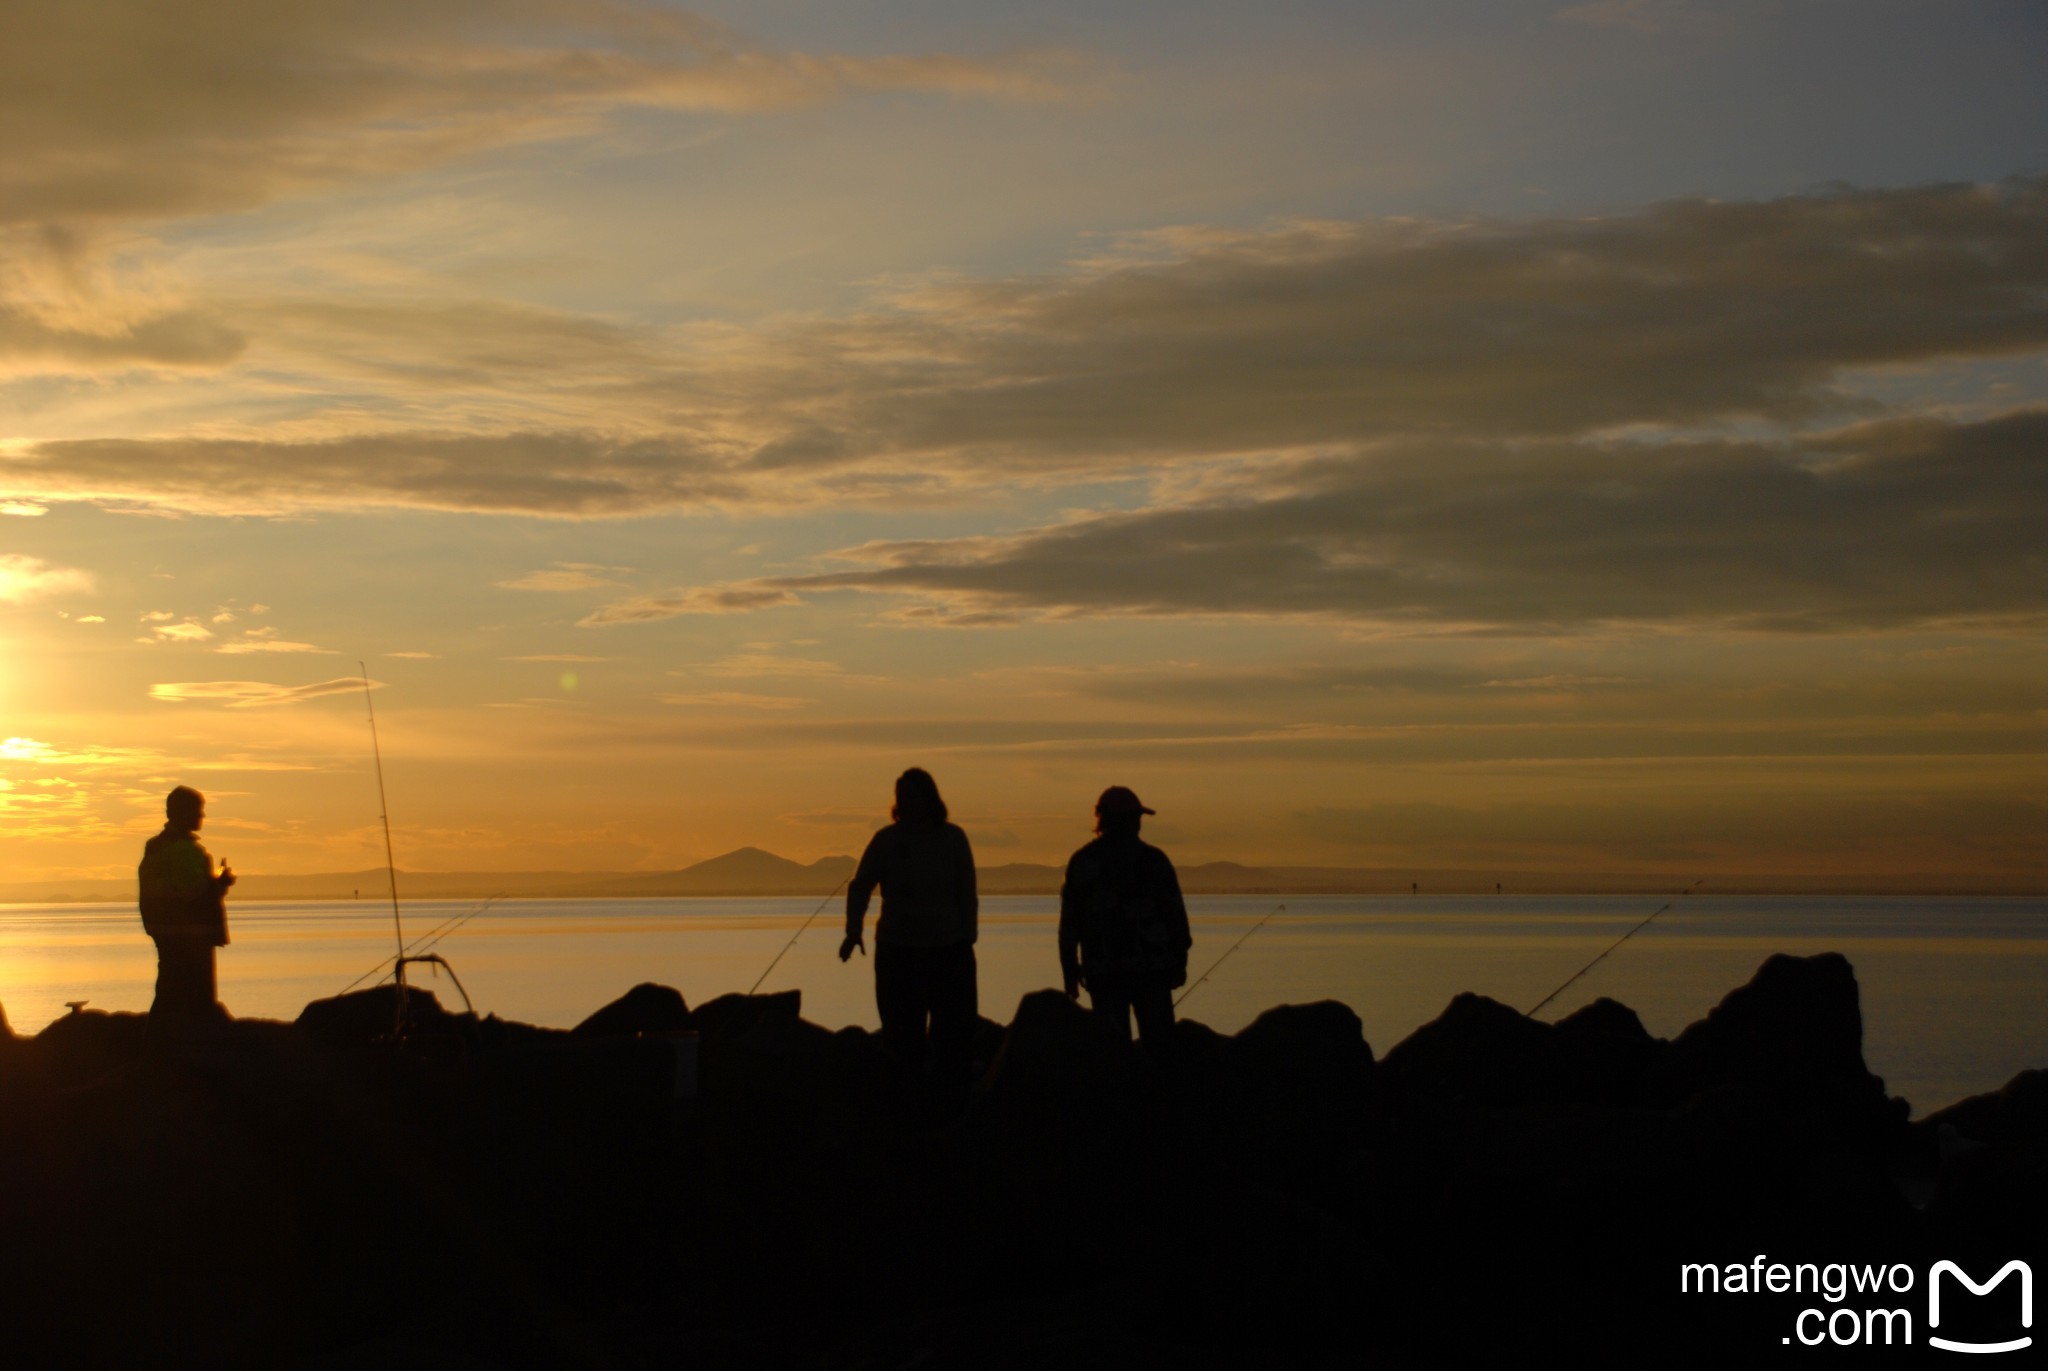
(247, 645)
(562, 576)
(189, 631)
(246, 694)
(236, 105)
(24, 578)
(725, 599)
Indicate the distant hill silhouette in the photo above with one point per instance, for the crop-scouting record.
(753, 871)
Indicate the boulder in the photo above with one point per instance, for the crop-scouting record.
(1794, 1036)
(1796, 1026)
(731, 1015)
(1060, 1061)
(1604, 1053)
(646, 1008)
(1316, 1053)
(363, 1016)
(90, 1038)
(2014, 1116)
(1478, 1049)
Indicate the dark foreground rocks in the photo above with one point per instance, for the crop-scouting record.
(731, 1185)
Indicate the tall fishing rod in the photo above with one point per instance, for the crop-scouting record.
(1616, 943)
(384, 816)
(403, 957)
(1226, 954)
(800, 930)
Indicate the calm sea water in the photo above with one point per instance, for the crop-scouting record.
(1955, 991)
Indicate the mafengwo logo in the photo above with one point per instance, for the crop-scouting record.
(2026, 1274)
(1854, 1290)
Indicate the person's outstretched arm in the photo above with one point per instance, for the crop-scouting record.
(866, 877)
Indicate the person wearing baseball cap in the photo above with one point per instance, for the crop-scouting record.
(1123, 924)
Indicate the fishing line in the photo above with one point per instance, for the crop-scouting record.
(1616, 943)
(427, 939)
(1226, 954)
(800, 929)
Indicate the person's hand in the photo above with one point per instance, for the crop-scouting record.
(850, 942)
(226, 877)
(1073, 985)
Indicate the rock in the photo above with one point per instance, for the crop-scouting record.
(92, 1037)
(1059, 1061)
(1316, 1052)
(1477, 1049)
(2014, 1116)
(1603, 1053)
(1797, 1026)
(1324, 1036)
(646, 1008)
(363, 1016)
(730, 1015)
(1794, 1035)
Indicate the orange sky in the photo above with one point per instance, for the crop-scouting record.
(1599, 437)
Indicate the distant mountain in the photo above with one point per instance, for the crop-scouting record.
(747, 871)
(751, 871)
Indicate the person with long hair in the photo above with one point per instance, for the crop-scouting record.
(924, 939)
(1123, 924)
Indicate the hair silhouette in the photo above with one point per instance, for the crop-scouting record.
(917, 799)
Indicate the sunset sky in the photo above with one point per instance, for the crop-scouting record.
(1607, 436)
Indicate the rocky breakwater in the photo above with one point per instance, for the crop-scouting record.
(489, 1193)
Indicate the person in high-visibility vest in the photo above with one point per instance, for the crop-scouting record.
(184, 909)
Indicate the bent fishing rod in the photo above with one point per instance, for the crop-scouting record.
(1616, 943)
(1276, 909)
(800, 930)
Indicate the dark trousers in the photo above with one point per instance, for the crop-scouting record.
(916, 985)
(185, 981)
(1151, 1000)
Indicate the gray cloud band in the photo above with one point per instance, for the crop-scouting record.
(237, 104)
(1415, 412)
(1880, 526)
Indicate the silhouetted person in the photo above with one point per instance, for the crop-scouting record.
(924, 939)
(1123, 924)
(184, 908)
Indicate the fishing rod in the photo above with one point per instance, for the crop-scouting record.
(384, 816)
(800, 929)
(1616, 943)
(1278, 908)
